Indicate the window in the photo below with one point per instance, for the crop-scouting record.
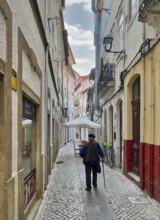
(29, 149)
(28, 145)
(136, 89)
(133, 7)
(65, 92)
(120, 33)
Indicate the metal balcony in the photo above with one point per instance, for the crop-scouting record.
(106, 80)
(149, 12)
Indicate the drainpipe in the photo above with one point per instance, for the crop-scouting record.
(46, 101)
(143, 92)
(97, 54)
(142, 161)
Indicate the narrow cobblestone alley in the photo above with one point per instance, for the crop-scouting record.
(66, 197)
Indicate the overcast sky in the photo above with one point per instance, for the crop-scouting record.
(79, 22)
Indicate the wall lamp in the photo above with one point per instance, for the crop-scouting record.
(65, 112)
(107, 43)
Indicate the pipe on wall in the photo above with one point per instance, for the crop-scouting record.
(97, 25)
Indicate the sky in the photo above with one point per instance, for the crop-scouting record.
(79, 22)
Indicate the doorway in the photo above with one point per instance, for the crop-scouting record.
(136, 126)
(121, 135)
(110, 125)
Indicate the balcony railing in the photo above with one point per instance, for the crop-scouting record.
(143, 4)
(149, 12)
(108, 72)
(106, 80)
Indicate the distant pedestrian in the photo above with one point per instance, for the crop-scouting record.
(77, 135)
(90, 153)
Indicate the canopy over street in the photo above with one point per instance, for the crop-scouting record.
(82, 123)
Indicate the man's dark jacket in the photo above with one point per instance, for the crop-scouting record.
(91, 152)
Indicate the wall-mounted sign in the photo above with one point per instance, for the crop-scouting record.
(14, 80)
(28, 109)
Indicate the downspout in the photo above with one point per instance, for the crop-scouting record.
(142, 162)
(67, 129)
(46, 102)
(97, 54)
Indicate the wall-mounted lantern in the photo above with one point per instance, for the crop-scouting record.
(65, 112)
(107, 43)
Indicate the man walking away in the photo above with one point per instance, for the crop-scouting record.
(90, 153)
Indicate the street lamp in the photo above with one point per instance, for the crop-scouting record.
(107, 43)
(65, 112)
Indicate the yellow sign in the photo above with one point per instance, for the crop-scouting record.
(14, 80)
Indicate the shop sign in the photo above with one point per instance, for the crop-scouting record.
(14, 80)
(28, 109)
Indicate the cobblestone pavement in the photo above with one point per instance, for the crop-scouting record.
(128, 201)
(64, 199)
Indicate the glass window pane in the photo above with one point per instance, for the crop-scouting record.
(133, 7)
(120, 33)
(136, 89)
(28, 145)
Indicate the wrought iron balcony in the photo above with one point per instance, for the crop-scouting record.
(106, 80)
(149, 12)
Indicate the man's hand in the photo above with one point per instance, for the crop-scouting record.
(102, 159)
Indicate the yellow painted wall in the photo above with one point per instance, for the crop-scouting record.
(128, 84)
(149, 70)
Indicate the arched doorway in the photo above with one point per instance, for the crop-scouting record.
(136, 126)
(119, 133)
(110, 140)
(105, 125)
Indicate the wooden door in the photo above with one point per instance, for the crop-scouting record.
(136, 137)
(121, 133)
(136, 126)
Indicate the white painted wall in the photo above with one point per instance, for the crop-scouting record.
(22, 16)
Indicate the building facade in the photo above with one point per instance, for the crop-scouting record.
(32, 36)
(68, 96)
(141, 90)
(82, 86)
(127, 89)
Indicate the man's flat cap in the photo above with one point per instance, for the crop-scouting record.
(91, 135)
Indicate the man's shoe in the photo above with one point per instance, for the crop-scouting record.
(88, 189)
(95, 186)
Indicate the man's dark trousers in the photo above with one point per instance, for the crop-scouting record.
(88, 169)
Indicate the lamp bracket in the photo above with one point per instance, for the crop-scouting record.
(122, 51)
(119, 52)
(106, 10)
